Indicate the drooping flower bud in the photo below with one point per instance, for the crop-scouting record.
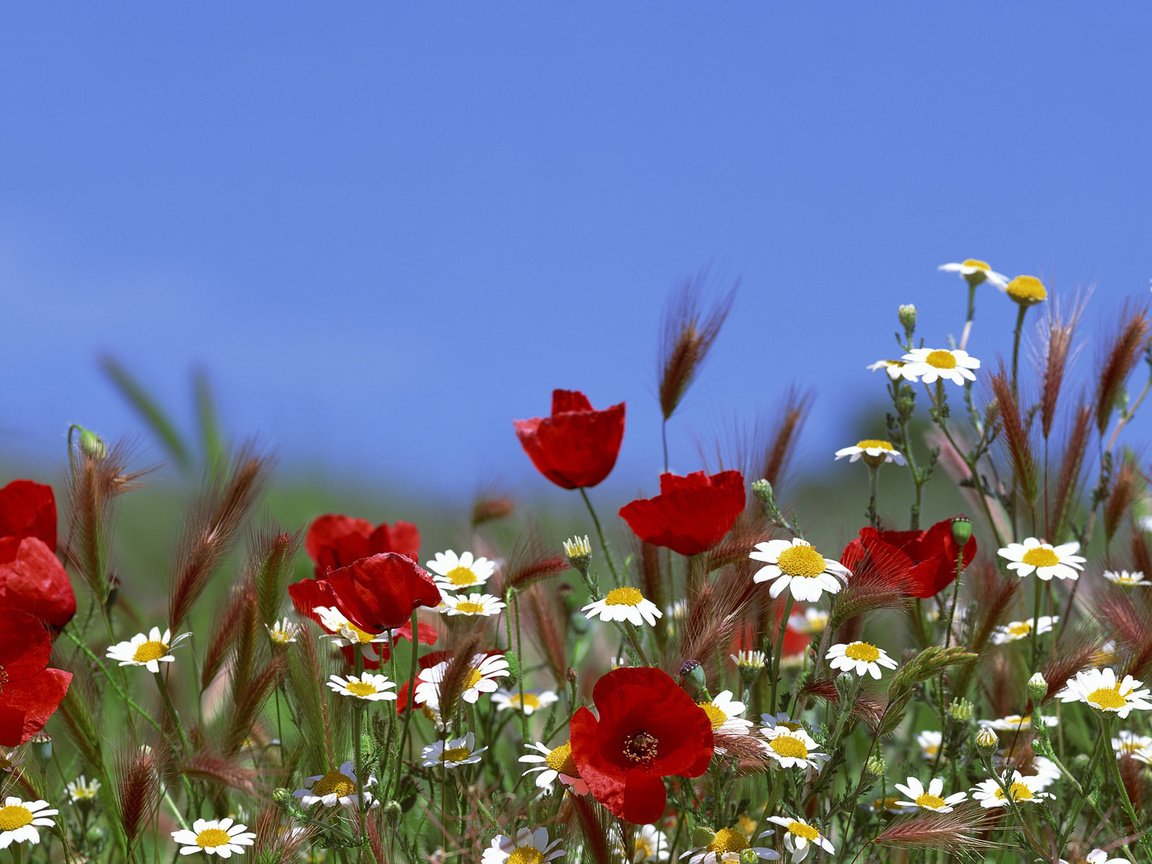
(92, 444)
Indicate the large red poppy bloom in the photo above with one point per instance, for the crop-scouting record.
(577, 446)
(926, 560)
(335, 541)
(691, 514)
(648, 729)
(33, 579)
(30, 692)
(377, 593)
(28, 509)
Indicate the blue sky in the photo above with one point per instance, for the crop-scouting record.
(387, 230)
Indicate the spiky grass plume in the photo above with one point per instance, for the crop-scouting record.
(462, 649)
(238, 617)
(137, 790)
(532, 560)
(250, 692)
(223, 771)
(1058, 330)
(714, 612)
(879, 581)
(1069, 479)
(278, 838)
(777, 452)
(270, 557)
(1128, 345)
(1126, 488)
(1074, 651)
(687, 335)
(955, 831)
(1130, 622)
(1016, 440)
(308, 669)
(547, 624)
(595, 827)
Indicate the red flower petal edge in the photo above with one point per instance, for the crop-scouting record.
(691, 514)
(577, 446)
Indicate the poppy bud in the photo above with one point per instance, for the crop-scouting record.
(986, 739)
(907, 314)
(42, 747)
(961, 529)
(1037, 686)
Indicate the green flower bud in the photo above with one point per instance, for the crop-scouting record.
(907, 315)
(875, 766)
(762, 489)
(987, 739)
(961, 710)
(1037, 687)
(578, 551)
(961, 529)
(750, 856)
(281, 795)
(692, 673)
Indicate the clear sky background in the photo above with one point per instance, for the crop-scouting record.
(387, 230)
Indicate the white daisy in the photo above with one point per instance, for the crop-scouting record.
(82, 790)
(347, 633)
(1126, 579)
(1100, 689)
(368, 686)
(214, 837)
(1044, 559)
(894, 368)
(932, 364)
(649, 846)
(811, 621)
(930, 798)
(578, 550)
(751, 661)
(552, 764)
(1097, 856)
(283, 632)
(801, 837)
(792, 747)
(474, 604)
(530, 703)
(1016, 723)
(335, 787)
(452, 753)
(529, 846)
(797, 563)
(873, 451)
(624, 604)
(975, 272)
(1045, 771)
(1022, 789)
(486, 668)
(863, 658)
(1139, 747)
(147, 650)
(456, 572)
(724, 713)
(728, 845)
(19, 821)
(929, 741)
(1014, 631)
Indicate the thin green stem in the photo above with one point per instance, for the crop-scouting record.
(776, 651)
(1016, 334)
(600, 535)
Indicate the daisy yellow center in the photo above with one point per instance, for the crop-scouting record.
(1019, 792)
(641, 747)
(528, 700)
(456, 754)
(642, 848)
(353, 632)
(460, 576)
(526, 855)
(470, 608)
(210, 838)
(474, 678)
(930, 749)
(1019, 628)
(930, 801)
(873, 444)
(1040, 557)
(1027, 289)
(14, 816)
(885, 803)
(624, 597)
(361, 688)
(1129, 580)
(1128, 748)
(801, 561)
(941, 359)
(84, 793)
(560, 760)
(979, 265)
(862, 651)
(149, 651)
(281, 636)
(790, 747)
(1107, 697)
(715, 716)
(334, 783)
(801, 830)
(728, 840)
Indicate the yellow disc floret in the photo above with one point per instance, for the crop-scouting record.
(526, 855)
(149, 651)
(210, 838)
(623, 597)
(334, 783)
(930, 801)
(941, 359)
(1107, 698)
(361, 688)
(560, 760)
(14, 816)
(801, 561)
(789, 747)
(1041, 557)
(461, 577)
(874, 444)
(801, 830)
(862, 651)
(715, 716)
(470, 608)
(728, 840)
(1026, 290)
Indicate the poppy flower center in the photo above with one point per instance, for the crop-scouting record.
(1106, 698)
(470, 608)
(1026, 289)
(1019, 628)
(14, 816)
(789, 747)
(930, 801)
(862, 651)
(461, 577)
(526, 855)
(727, 840)
(976, 264)
(210, 838)
(334, 783)
(715, 716)
(560, 760)
(149, 651)
(1041, 557)
(801, 561)
(641, 747)
(623, 597)
(801, 830)
(456, 754)
(941, 359)
(361, 688)
(873, 444)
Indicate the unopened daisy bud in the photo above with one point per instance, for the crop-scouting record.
(986, 739)
(693, 673)
(1080, 761)
(92, 444)
(875, 766)
(281, 796)
(961, 710)
(961, 529)
(762, 489)
(393, 810)
(1037, 686)
(579, 553)
(750, 856)
(1026, 290)
(907, 314)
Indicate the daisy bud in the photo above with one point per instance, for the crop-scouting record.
(762, 489)
(92, 444)
(1037, 686)
(282, 796)
(579, 553)
(1026, 290)
(875, 766)
(750, 856)
(393, 810)
(907, 315)
(961, 529)
(961, 710)
(986, 739)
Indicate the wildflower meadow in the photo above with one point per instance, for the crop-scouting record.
(691, 676)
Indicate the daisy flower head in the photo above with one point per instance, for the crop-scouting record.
(728, 845)
(20, 821)
(930, 365)
(347, 633)
(1139, 747)
(1045, 770)
(873, 451)
(800, 837)
(1099, 856)
(930, 798)
(624, 604)
(484, 605)
(82, 790)
(749, 661)
(335, 787)
(1043, 559)
(795, 564)
(1024, 790)
(578, 551)
(147, 649)
(976, 272)
(862, 658)
(792, 748)
(1014, 631)
(452, 753)
(367, 686)
(220, 837)
(283, 632)
(811, 621)
(552, 764)
(529, 702)
(529, 846)
(1127, 579)
(486, 669)
(456, 572)
(929, 741)
(1016, 722)
(724, 713)
(1026, 290)
(894, 368)
(1100, 689)
(649, 846)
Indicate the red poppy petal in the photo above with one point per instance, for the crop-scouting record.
(569, 400)
(691, 514)
(25, 645)
(37, 696)
(381, 592)
(403, 538)
(33, 579)
(605, 781)
(28, 509)
(334, 540)
(644, 800)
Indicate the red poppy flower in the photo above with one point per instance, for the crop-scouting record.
(691, 514)
(926, 560)
(648, 729)
(30, 692)
(28, 509)
(335, 541)
(33, 579)
(377, 593)
(577, 446)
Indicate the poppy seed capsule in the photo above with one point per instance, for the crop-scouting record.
(961, 529)
(694, 672)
